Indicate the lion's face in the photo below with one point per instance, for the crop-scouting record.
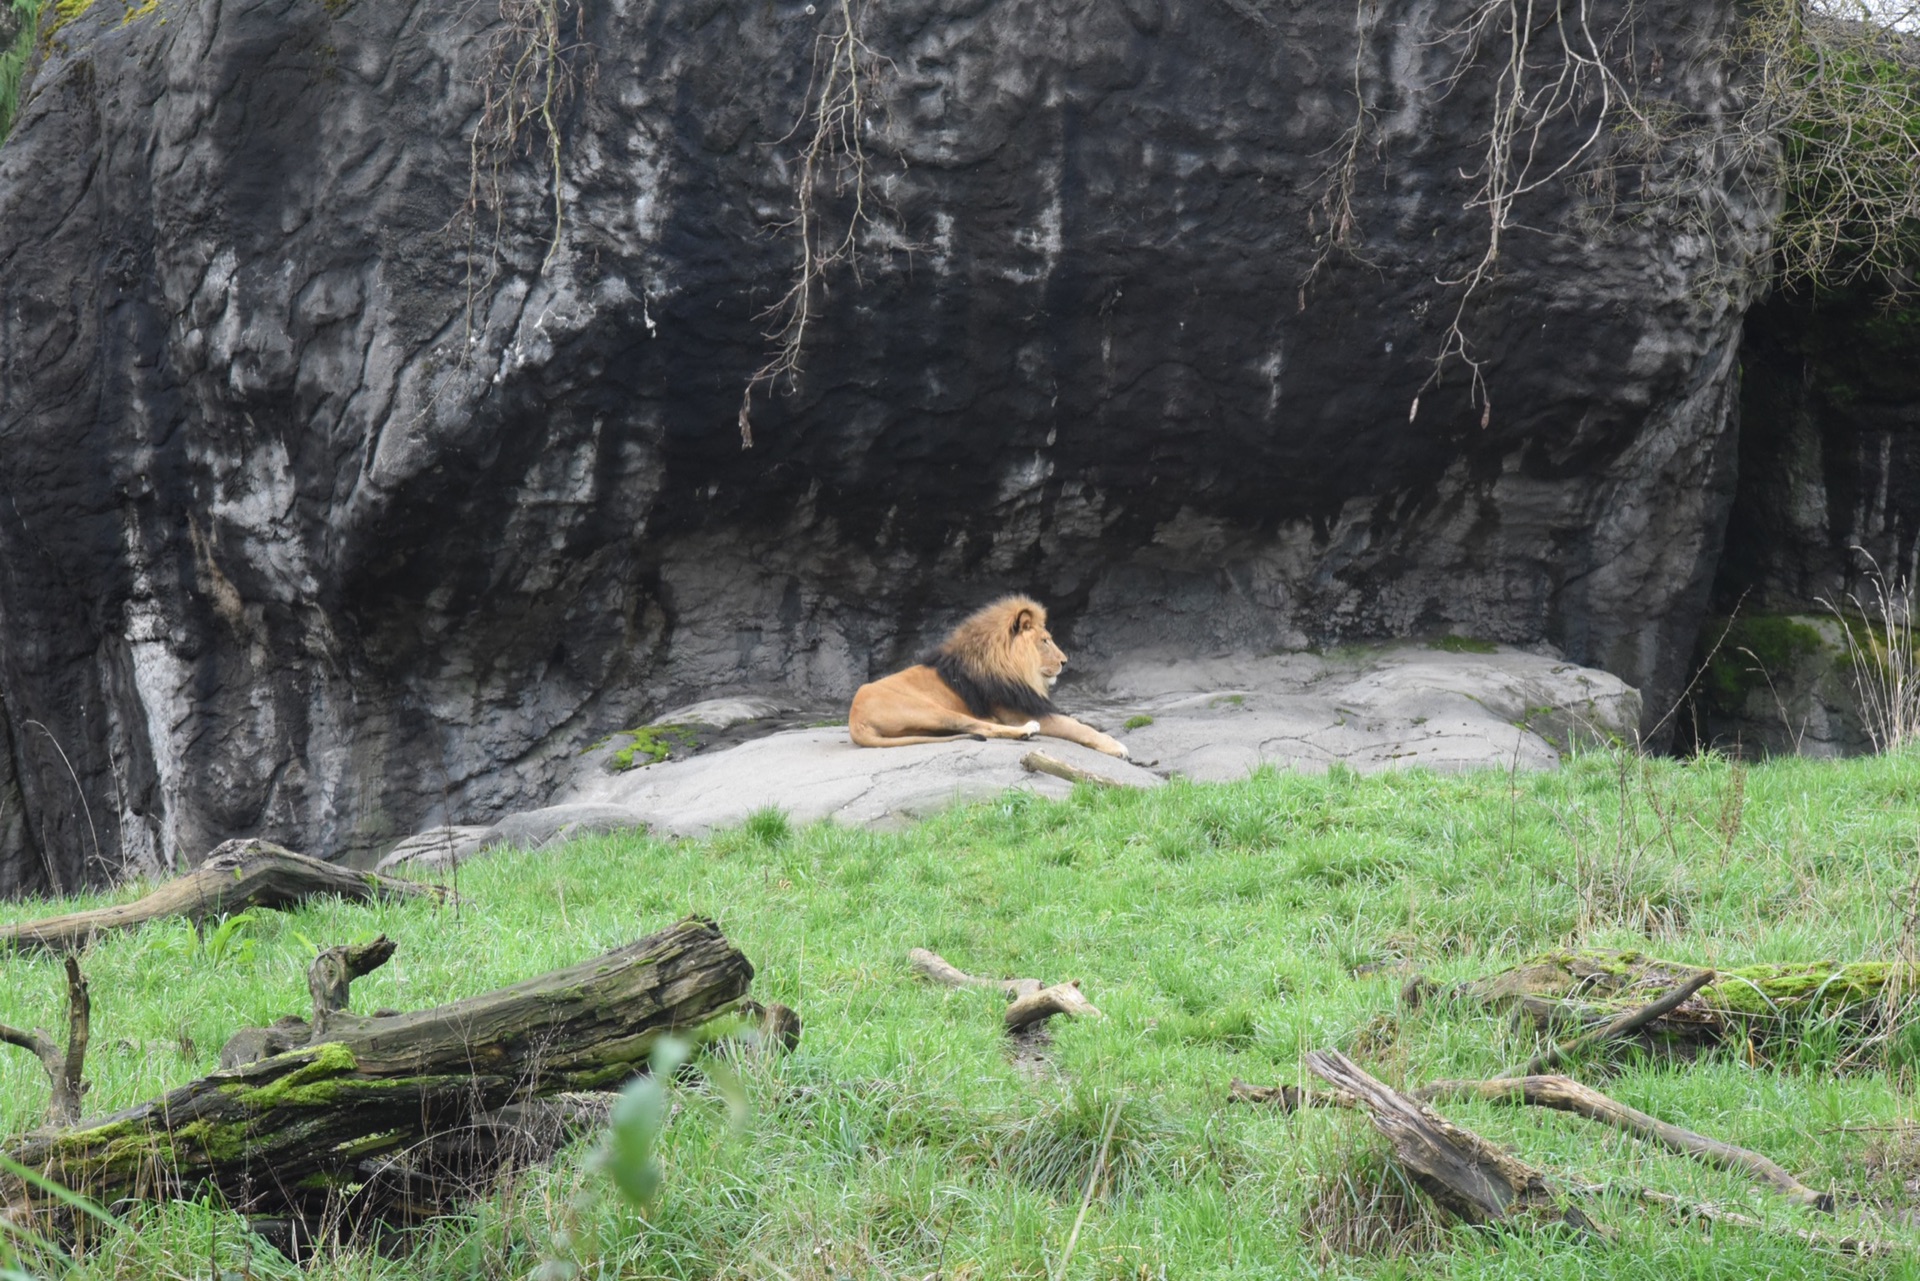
(1033, 643)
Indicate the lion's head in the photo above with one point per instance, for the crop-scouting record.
(1003, 659)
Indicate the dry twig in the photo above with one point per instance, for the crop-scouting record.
(834, 160)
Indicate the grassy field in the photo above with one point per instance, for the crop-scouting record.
(1218, 928)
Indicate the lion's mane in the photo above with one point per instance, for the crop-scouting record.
(991, 665)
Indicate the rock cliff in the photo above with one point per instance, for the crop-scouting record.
(357, 473)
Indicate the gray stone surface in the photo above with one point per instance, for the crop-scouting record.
(1391, 708)
(324, 522)
(1375, 708)
(812, 774)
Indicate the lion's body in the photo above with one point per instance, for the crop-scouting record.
(992, 678)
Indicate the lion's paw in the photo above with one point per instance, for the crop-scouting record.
(1030, 729)
(1120, 750)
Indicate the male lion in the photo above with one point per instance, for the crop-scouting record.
(992, 678)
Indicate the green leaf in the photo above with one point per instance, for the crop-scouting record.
(631, 1154)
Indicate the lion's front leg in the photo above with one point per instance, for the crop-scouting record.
(1058, 726)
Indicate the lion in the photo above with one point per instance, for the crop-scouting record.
(992, 678)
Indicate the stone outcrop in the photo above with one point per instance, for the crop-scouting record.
(1375, 708)
(338, 504)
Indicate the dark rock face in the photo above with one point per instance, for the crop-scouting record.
(314, 531)
(1830, 402)
(1829, 490)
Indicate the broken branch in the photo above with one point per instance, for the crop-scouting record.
(1042, 763)
(65, 1069)
(1289, 1098)
(1625, 1025)
(1061, 998)
(1862, 1247)
(332, 974)
(1567, 1095)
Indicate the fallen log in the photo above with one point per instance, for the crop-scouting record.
(291, 1134)
(1470, 1178)
(1029, 1001)
(237, 875)
(1567, 1095)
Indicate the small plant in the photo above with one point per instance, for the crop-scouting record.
(1139, 722)
(769, 826)
(1884, 650)
(1365, 1205)
(630, 1154)
(229, 938)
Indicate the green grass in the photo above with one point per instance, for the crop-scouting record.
(1217, 927)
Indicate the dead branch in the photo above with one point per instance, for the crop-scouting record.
(931, 965)
(1041, 763)
(1625, 1025)
(1029, 1000)
(66, 1069)
(238, 874)
(1061, 998)
(1567, 1095)
(1470, 1178)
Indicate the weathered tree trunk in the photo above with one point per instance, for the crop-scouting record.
(291, 1133)
(1467, 1176)
(238, 874)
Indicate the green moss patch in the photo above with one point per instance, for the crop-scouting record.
(1752, 650)
(651, 744)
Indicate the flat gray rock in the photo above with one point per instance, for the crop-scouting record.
(812, 774)
(1375, 708)
(1387, 707)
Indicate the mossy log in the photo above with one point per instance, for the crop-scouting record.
(1588, 987)
(304, 1133)
(237, 875)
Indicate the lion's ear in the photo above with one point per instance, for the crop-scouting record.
(1023, 621)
